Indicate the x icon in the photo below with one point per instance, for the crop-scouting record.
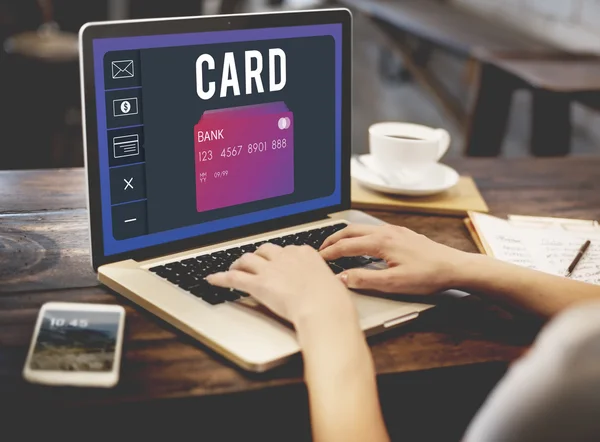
(128, 183)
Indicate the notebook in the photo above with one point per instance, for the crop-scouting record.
(457, 201)
(545, 244)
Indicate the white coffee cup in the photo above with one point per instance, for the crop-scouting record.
(405, 152)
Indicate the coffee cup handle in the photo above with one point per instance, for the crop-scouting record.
(444, 143)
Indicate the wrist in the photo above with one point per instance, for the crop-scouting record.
(465, 270)
(334, 348)
(337, 312)
(328, 324)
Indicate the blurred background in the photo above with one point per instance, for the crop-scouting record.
(417, 64)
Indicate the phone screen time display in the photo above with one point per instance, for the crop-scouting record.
(71, 340)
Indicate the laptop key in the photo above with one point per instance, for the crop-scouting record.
(339, 227)
(287, 240)
(230, 295)
(188, 282)
(220, 254)
(212, 298)
(362, 260)
(234, 253)
(204, 272)
(160, 271)
(335, 268)
(215, 295)
(177, 266)
(201, 289)
(174, 278)
(352, 262)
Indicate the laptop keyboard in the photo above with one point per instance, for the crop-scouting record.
(189, 273)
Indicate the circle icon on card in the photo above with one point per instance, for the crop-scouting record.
(284, 123)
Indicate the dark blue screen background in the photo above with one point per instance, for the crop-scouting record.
(103, 46)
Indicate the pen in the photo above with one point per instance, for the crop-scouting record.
(580, 254)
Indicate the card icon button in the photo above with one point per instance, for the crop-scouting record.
(126, 146)
(122, 69)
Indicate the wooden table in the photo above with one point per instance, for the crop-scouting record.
(437, 369)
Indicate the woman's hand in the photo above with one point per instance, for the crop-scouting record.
(417, 265)
(294, 282)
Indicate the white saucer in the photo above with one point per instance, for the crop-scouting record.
(437, 179)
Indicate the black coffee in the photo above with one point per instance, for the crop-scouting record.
(405, 137)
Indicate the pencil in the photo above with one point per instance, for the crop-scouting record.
(580, 254)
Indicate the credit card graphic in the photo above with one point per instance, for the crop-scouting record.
(243, 154)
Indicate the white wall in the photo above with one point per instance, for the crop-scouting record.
(572, 24)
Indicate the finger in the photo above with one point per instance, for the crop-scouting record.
(365, 279)
(249, 262)
(268, 251)
(235, 279)
(364, 245)
(352, 231)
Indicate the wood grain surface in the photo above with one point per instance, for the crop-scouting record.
(46, 254)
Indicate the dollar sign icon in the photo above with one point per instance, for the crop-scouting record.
(125, 107)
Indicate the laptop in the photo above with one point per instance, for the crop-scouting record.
(206, 137)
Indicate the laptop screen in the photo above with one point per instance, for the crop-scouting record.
(204, 132)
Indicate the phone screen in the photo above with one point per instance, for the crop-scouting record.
(72, 340)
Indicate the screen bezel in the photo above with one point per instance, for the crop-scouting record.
(130, 28)
(77, 378)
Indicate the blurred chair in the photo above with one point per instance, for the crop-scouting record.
(508, 58)
(554, 80)
(40, 89)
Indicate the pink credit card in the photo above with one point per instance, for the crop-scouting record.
(243, 154)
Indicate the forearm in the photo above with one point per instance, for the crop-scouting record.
(537, 292)
(341, 382)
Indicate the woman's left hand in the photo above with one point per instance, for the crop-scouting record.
(294, 282)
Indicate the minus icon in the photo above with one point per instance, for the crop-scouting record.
(130, 220)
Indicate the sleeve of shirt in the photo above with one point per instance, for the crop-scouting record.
(553, 392)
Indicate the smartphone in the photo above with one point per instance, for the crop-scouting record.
(77, 345)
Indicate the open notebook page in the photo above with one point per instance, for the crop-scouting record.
(548, 250)
(503, 241)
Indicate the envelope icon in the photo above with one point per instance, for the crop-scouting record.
(122, 69)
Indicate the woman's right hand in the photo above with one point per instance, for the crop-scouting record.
(416, 264)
